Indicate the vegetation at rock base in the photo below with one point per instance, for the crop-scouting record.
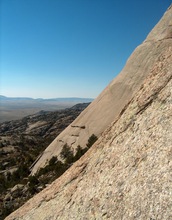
(21, 142)
(55, 168)
(92, 139)
(67, 154)
(30, 185)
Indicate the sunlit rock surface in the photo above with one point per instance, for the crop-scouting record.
(127, 172)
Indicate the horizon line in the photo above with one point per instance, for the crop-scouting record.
(46, 98)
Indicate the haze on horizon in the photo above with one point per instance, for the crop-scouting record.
(69, 48)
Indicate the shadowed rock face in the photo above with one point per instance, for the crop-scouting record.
(126, 173)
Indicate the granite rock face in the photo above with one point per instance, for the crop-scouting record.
(103, 110)
(127, 174)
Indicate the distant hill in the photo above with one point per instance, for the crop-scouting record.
(13, 108)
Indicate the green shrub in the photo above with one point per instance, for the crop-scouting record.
(67, 154)
(52, 161)
(33, 183)
(79, 153)
(60, 168)
(92, 139)
(33, 180)
(23, 170)
(56, 168)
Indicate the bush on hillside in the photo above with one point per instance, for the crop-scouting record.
(92, 139)
(67, 154)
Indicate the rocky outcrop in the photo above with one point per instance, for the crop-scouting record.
(103, 110)
(127, 172)
(33, 133)
(21, 143)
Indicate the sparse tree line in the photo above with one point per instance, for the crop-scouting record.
(58, 167)
(54, 169)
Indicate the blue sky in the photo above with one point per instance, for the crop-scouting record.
(69, 48)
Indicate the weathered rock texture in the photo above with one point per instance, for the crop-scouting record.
(97, 117)
(127, 172)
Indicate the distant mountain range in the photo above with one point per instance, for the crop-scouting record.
(68, 99)
(12, 108)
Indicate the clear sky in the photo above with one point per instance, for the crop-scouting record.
(69, 48)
